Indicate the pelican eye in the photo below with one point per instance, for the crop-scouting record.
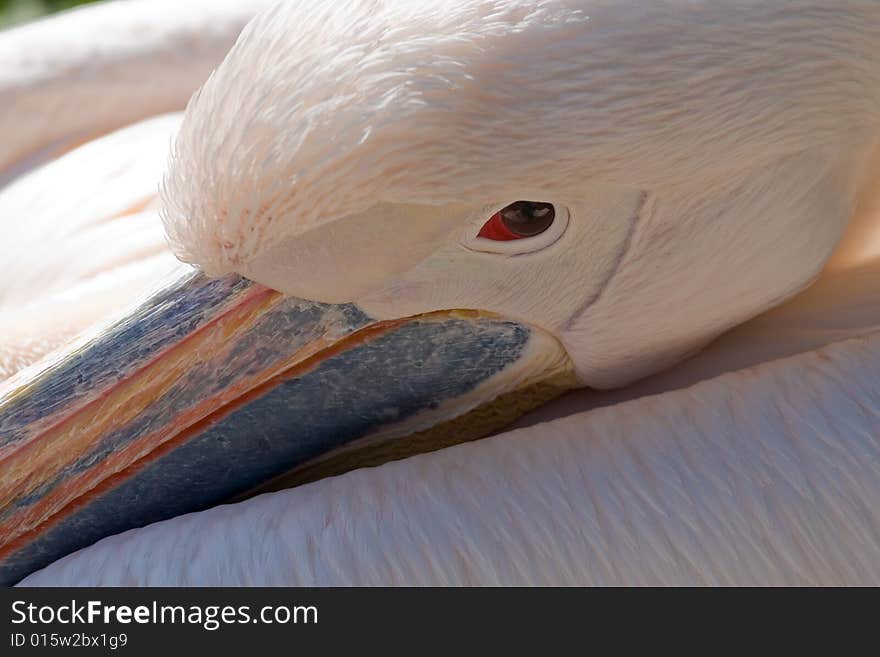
(519, 220)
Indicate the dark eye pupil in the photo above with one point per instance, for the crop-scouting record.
(528, 218)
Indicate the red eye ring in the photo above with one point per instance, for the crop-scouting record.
(518, 220)
(494, 229)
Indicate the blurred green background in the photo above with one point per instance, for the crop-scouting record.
(19, 11)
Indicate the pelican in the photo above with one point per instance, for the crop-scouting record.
(406, 224)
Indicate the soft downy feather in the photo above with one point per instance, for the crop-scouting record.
(765, 476)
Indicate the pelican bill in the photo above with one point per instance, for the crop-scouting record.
(212, 388)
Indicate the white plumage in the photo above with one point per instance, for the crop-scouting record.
(769, 476)
(709, 159)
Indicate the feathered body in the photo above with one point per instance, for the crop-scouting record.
(706, 160)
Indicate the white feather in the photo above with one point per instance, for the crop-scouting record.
(767, 476)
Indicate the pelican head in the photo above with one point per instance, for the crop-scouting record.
(354, 154)
(457, 201)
